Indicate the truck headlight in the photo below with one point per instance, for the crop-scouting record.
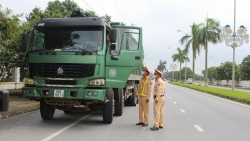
(97, 82)
(28, 81)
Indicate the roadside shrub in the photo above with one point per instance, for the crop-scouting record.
(239, 96)
(6, 80)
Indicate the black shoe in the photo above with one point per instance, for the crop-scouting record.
(144, 125)
(139, 123)
(161, 127)
(154, 128)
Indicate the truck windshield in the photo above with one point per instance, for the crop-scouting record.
(63, 39)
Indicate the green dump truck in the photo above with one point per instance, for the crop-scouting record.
(71, 67)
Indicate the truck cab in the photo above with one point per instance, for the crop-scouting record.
(71, 66)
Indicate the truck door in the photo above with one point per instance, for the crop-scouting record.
(127, 56)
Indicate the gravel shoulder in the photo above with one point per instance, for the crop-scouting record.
(18, 104)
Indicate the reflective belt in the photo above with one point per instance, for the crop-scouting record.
(144, 85)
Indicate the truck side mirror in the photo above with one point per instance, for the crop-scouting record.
(113, 35)
(24, 41)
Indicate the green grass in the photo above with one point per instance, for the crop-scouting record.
(243, 97)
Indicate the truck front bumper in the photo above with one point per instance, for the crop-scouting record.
(69, 93)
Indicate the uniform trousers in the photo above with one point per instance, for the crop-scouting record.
(143, 110)
(159, 112)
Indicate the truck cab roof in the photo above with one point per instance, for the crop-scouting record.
(71, 22)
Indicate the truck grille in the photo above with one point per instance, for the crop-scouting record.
(61, 82)
(62, 70)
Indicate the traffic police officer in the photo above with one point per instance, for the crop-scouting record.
(143, 94)
(159, 100)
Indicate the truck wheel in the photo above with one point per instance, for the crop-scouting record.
(118, 102)
(132, 99)
(46, 111)
(108, 107)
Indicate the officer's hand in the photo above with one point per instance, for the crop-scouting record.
(147, 100)
(156, 101)
(136, 96)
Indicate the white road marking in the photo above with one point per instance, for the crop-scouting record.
(182, 111)
(198, 128)
(65, 128)
(174, 102)
(169, 97)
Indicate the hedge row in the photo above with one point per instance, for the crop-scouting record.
(239, 96)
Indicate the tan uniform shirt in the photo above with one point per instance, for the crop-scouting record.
(147, 89)
(159, 88)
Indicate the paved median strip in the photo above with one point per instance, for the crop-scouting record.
(65, 128)
(198, 128)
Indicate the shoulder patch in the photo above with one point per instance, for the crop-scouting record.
(158, 84)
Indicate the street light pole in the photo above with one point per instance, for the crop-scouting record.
(173, 67)
(185, 71)
(173, 62)
(234, 40)
(200, 71)
(214, 60)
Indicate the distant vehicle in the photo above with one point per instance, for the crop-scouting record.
(151, 76)
(190, 80)
(164, 79)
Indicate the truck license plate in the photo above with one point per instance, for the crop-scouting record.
(58, 93)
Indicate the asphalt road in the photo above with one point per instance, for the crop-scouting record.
(189, 116)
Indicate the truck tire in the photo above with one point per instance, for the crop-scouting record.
(108, 107)
(46, 111)
(132, 99)
(118, 102)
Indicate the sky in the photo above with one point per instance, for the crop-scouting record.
(160, 20)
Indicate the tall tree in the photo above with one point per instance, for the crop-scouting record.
(58, 9)
(245, 68)
(181, 56)
(208, 33)
(4, 15)
(191, 41)
(162, 66)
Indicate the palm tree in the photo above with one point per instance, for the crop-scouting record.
(208, 33)
(181, 57)
(162, 66)
(191, 41)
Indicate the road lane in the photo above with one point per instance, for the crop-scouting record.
(220, 119)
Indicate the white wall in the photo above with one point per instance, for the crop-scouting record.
(240, 83)
(11, 85)
(244, 83)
